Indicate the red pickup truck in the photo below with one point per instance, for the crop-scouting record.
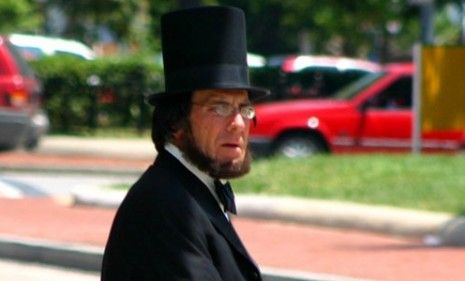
(372, 114)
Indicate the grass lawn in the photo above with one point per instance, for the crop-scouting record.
(428, 182)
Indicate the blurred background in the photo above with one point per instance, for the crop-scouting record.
(114, 47)
(75, 133)
(104, 36)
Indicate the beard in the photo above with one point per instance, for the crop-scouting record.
(215, 168)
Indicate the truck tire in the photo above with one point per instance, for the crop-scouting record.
(299, 145)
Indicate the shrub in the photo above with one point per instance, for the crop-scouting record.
(85, 95)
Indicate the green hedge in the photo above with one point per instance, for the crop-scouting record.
(83, 95)
(80, 95)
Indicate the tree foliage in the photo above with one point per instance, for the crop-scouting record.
(353, 28)
(85, 15)
(381, 30)
(19, 16)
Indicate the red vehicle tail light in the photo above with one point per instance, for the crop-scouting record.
(18, 98)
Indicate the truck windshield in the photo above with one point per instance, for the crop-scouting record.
(351, 90)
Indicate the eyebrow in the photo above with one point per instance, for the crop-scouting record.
(213, 101)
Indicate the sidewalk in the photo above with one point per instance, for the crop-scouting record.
(287, 236)
(41, 230)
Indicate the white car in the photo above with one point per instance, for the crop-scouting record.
(35, 46)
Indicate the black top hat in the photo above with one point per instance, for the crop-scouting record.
(205, 48)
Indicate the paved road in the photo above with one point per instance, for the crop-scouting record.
(274, 244)
(24, 271)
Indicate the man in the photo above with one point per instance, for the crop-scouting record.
(174, 223)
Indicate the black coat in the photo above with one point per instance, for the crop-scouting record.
(169, 227)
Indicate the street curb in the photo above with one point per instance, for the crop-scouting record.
(60, 254)
(382, 219)
(89, 258)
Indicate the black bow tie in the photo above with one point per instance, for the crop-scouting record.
(226, 196)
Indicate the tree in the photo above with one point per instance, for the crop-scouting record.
(156, 9)
(352, 28)
(382, 30)
(19, 16)
(448, 23)
(84, 15)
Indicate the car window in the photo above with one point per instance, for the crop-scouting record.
(354, 88)
(398, 95)
(319, 81)
(30, 53)
(22, 64)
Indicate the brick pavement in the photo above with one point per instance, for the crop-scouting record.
(273, 243)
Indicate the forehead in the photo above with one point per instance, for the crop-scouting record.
(220, 94)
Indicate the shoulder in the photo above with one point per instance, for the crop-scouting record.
(158, 186)
(163, 189)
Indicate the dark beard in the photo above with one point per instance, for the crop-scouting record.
(216, 169)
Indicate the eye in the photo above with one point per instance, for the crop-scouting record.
(247, 111)
(222, 109)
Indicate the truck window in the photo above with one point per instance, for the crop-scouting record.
(397, 96)
(353, 89)
(318, 82)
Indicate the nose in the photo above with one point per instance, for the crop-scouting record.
(238, 123)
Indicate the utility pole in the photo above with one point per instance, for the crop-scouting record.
(427, 38)
(427, 17)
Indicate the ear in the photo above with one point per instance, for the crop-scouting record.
(177, 136)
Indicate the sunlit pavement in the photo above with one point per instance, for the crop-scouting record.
(274, 244)
(25, 271)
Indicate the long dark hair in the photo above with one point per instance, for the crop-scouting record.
(169, 115)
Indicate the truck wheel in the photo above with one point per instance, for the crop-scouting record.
(299, 145)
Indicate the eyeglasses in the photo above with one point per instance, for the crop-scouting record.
(247, 111)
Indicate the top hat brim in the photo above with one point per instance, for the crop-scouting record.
(255, 93)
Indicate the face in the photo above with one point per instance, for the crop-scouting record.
(217, 137)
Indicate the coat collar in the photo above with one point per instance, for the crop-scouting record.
(205, 199)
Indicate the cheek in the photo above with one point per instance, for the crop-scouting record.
(209, 141)
(205, 139)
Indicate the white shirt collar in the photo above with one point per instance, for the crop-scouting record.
(202, 176)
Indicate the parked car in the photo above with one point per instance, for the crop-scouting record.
(373, 113)
(33, 47)
(22, 121)
(301, 62)
(307, 76)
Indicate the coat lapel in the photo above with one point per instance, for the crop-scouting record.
(206, 200)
